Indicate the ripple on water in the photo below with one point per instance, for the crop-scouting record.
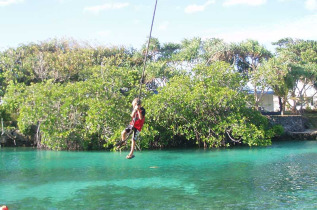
(280, 176)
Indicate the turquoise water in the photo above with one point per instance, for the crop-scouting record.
(282, 176)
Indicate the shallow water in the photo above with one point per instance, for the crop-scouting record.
(277, 177)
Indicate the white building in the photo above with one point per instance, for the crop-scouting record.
(269, 102)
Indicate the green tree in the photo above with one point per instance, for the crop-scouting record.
(211, 112)
(250, 54)
(301, 57)
(276, 74)
(218, 50)
(83, 115)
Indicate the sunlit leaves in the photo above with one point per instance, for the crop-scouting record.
(205, 109)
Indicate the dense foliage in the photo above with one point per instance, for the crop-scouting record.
(70, 95)
(209, 108)
(85, 114)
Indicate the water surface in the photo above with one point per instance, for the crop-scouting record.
(277, 177)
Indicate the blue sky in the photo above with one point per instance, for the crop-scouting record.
(127, 22)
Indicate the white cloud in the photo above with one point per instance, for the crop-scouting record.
(4, 3)
(301, 29)
(163, 26)
(198, 8)
(107, 6)
(311, 4)
(246, 2)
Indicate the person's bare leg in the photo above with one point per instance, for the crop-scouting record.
(123, 139)
(130, 155)
(123, 135)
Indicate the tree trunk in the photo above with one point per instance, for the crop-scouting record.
(256, 98)
(280, 101)
(284, 105)
(38, 135)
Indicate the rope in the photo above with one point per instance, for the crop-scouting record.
(147, 51)
(144, 66)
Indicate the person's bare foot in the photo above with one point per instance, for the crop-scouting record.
(121, 144)
(130, 156)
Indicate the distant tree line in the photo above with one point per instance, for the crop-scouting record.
(77, 96)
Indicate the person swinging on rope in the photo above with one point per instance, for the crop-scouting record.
(135, 126)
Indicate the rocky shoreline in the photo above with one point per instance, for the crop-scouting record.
(296, 127)
(309, 134)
